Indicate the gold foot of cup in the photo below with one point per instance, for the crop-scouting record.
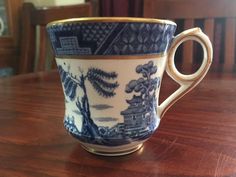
(112, 153)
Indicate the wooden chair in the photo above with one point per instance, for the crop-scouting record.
(32, 18)
(213, 13)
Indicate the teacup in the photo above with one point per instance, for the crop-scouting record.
(111, 71)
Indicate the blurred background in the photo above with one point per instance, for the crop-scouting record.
(24, 45)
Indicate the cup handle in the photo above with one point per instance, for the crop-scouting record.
(186, 82)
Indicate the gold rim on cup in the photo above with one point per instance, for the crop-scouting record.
(110, 19)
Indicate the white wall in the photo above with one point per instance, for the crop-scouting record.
(40, 3)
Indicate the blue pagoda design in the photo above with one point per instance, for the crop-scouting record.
(136, 118)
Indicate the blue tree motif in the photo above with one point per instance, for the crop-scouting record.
(103, 85)
(69, 82)
(100, 82)
(146, 87)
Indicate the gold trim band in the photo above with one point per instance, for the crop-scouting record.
(112, 57)
(118, 153)
(110, 19)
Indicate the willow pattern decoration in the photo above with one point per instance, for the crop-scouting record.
(143, 105)
(102, 82)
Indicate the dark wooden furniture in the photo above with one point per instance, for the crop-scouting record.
(211, 12)
(9, 42)
(196, 138)
(31, 18)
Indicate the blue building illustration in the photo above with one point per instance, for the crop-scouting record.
(70, 45)
(136, 118)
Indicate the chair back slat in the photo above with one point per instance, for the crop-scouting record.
(41, 63)
(209, 25)
(209, 28)
(38, 17)
(45, 15)
(27, 40)
(188, 49)
(192, 9)
(229, 50)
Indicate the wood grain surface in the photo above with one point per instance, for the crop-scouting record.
(196, 138)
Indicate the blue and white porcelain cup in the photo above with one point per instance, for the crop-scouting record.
(111, 71)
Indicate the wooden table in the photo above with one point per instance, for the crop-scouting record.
(196, 138)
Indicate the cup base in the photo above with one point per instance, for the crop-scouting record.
(112, 153)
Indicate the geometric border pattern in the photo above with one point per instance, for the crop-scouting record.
(110, 38)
